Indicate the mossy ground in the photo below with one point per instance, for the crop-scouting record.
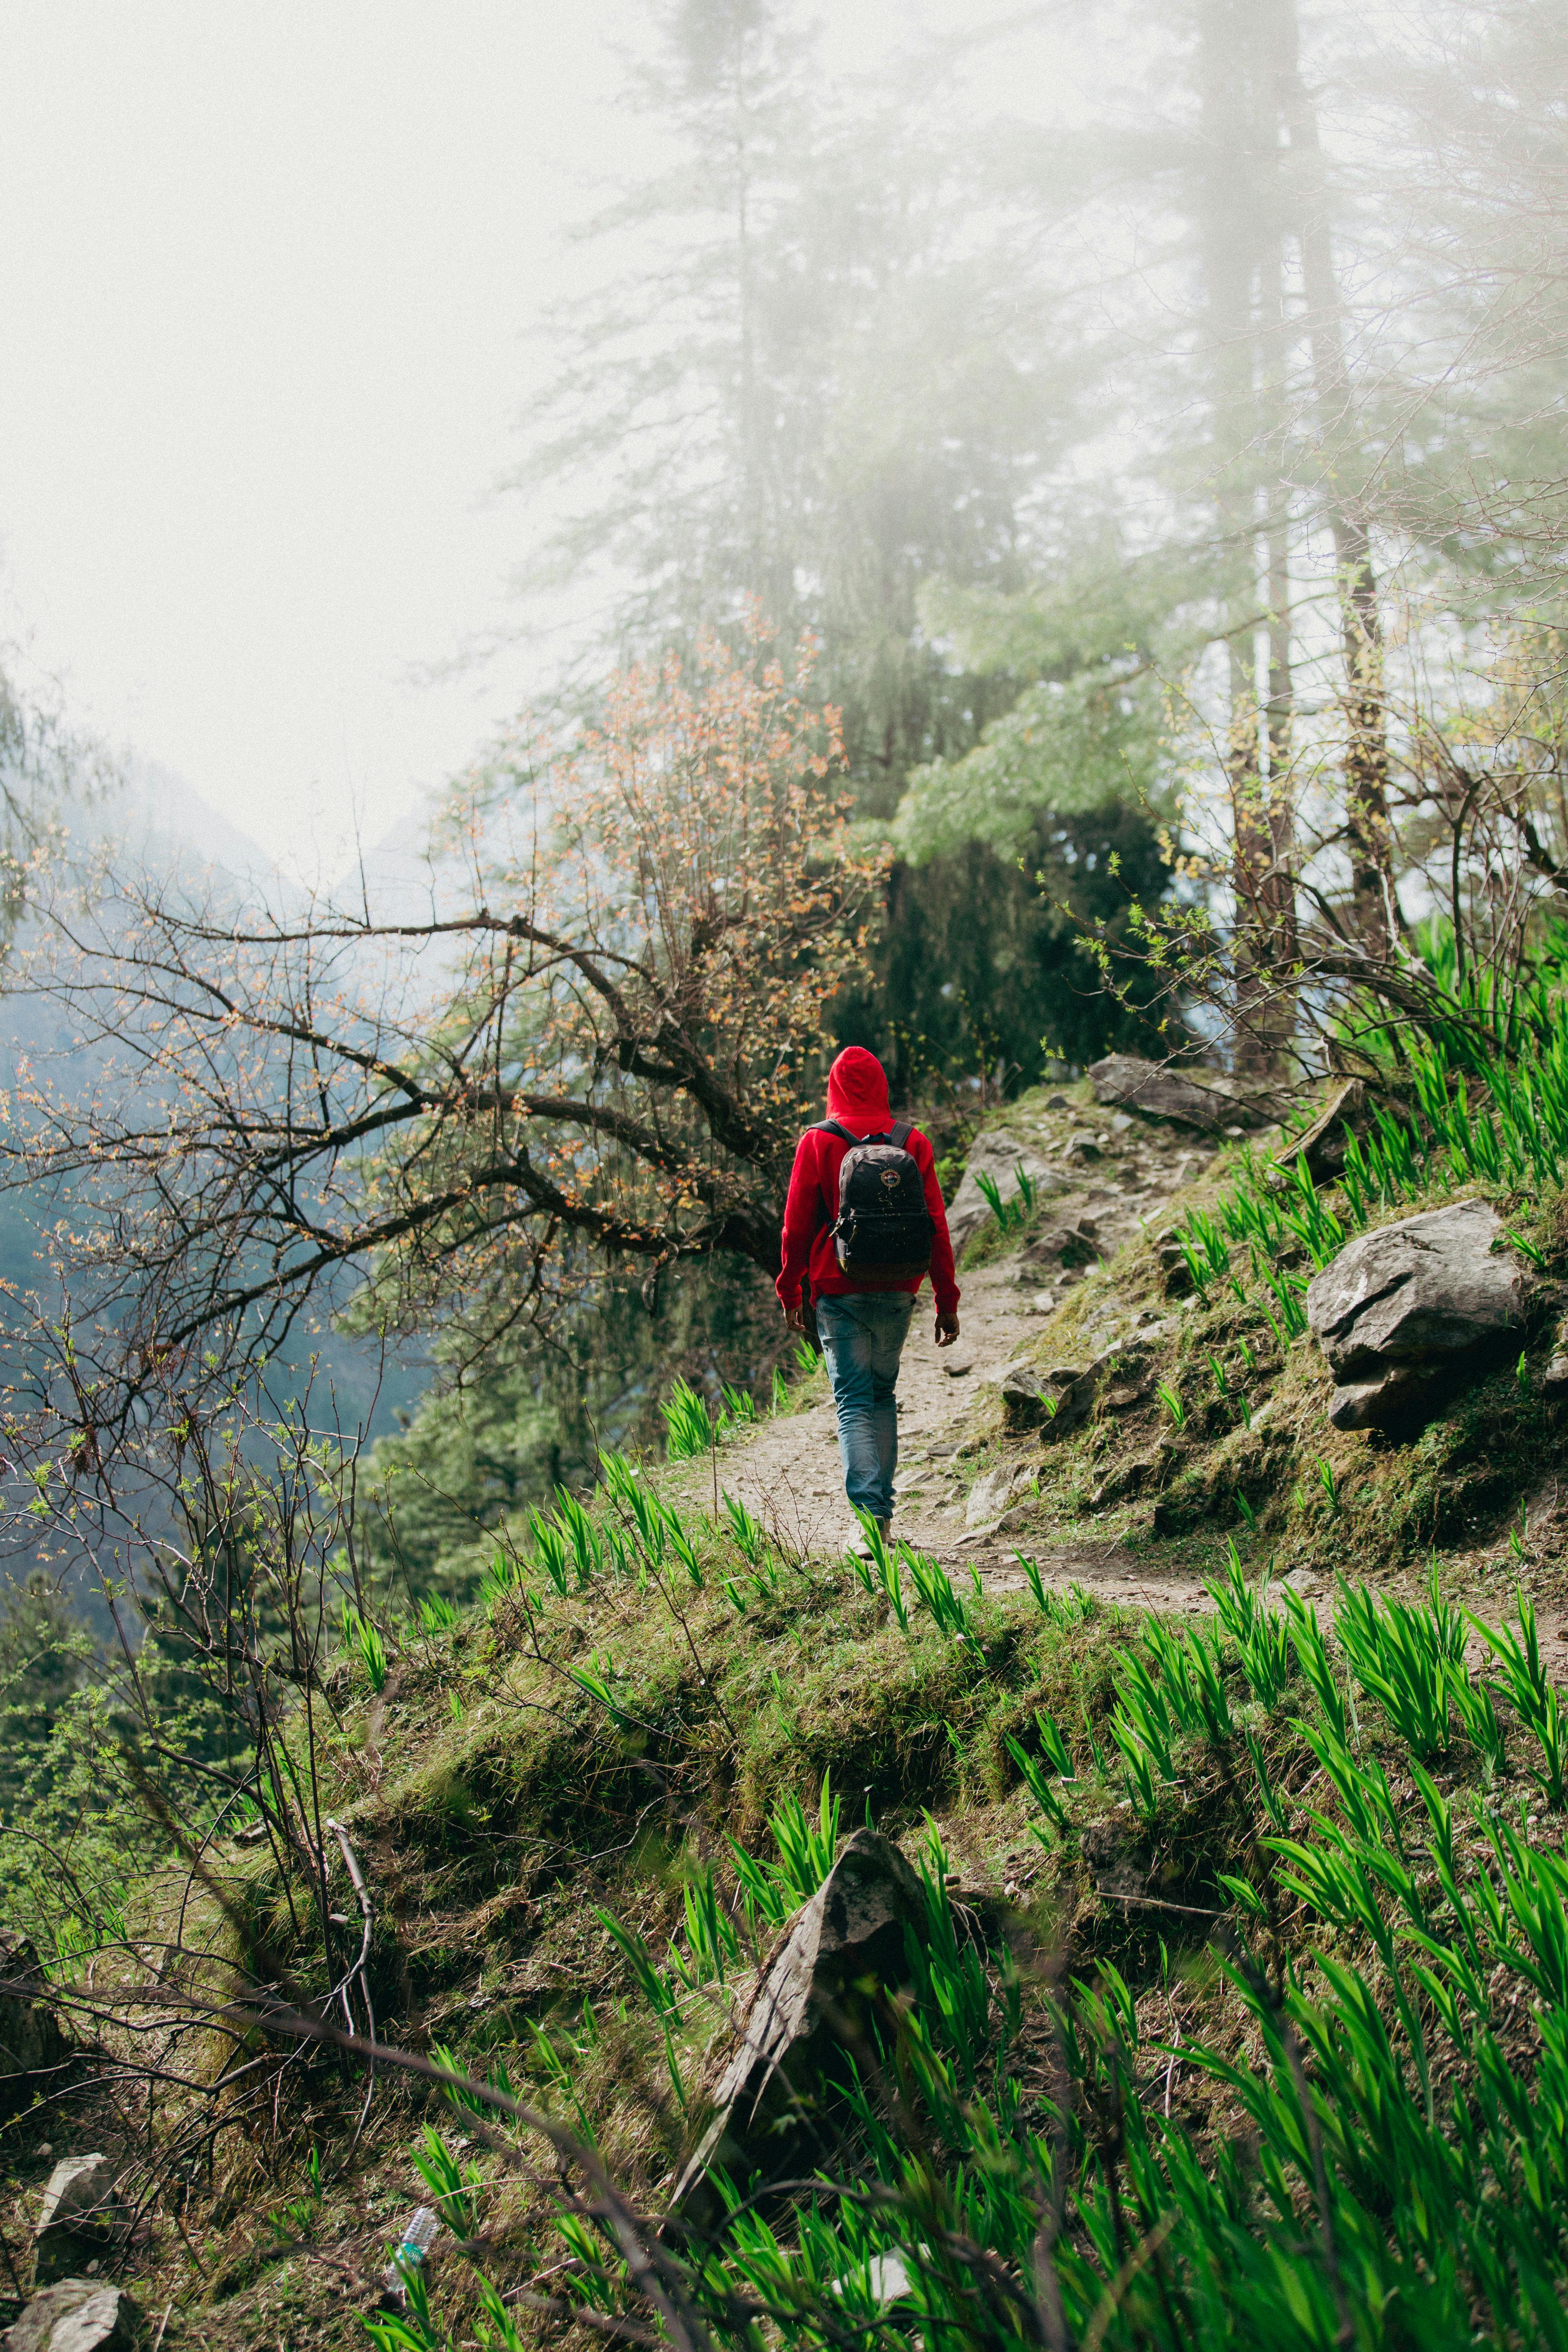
(497, 1806)
(1216, 1431)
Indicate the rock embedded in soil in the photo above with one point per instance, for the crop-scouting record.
(1409, 1314)
(990, 1496)
(815, 1994)
(1067, 1245)
(80, 2219)
(999, 1156)
(77, 2316)
(1023, 1399)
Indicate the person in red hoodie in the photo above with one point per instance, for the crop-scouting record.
(862, 1330)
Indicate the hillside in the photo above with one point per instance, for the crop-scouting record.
(1234, 1968)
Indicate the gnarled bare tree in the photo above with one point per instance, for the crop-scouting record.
(594, 1041)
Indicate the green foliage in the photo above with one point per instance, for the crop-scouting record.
(365, 1641)
(1070, 1607)
(988, 960)
(1259, 1632)
(1534, 1697)
(1058, 1755)
(1085, 731)
(1409, 1659)
(523, 1426)
(692, 1427)
(1451, 2207)
(1012, 1213)
(415, 2329)
(710, 1934)
(46, 1652)
(1172, 1404)
(689, 1428)
(1495, 1118)
(772, 1891)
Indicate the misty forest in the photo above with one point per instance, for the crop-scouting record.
(1056, 573)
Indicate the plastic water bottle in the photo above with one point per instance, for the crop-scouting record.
(417, 2240)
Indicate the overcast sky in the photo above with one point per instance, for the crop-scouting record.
(269, 275)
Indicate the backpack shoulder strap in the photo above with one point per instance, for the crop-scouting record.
(903, 1132)
(831, 1126)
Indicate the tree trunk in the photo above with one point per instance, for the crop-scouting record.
(1367, 827)
(1237, 209)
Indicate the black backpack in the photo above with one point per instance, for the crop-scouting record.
(884, 1232)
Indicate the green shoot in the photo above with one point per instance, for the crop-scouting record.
(364, 1639)
(687, 1426)
(1172, 1404)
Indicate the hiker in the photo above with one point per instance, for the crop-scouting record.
(865, 1222)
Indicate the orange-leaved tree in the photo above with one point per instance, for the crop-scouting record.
(593, 1038)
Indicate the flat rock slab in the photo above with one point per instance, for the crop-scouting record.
(81, 2216)
(999, 1156)
(77, 2316)
(1159, 1090)
(766, 2070)
(1402, 1313)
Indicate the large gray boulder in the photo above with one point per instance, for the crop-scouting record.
(31, 2042)
(767, 2072)
(1405, 1315)
(77, 2316)
(80, 2219)
(999, 1155)
(1157, 1089)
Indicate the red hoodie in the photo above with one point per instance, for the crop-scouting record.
(858, 1097)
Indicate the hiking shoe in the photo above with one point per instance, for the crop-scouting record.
(861, 1547)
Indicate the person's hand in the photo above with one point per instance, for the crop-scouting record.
(946, 1331)
(795, 1316)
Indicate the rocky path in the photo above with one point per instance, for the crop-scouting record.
(1107, 1175)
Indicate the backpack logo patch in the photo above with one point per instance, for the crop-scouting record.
(891, 1176)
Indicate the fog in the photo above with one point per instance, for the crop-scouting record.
(275, 288)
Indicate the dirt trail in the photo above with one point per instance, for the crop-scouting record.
(1117, 1173)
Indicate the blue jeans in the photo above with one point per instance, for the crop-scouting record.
(863, 1334)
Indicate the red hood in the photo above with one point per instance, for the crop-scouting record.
(857, 1091)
